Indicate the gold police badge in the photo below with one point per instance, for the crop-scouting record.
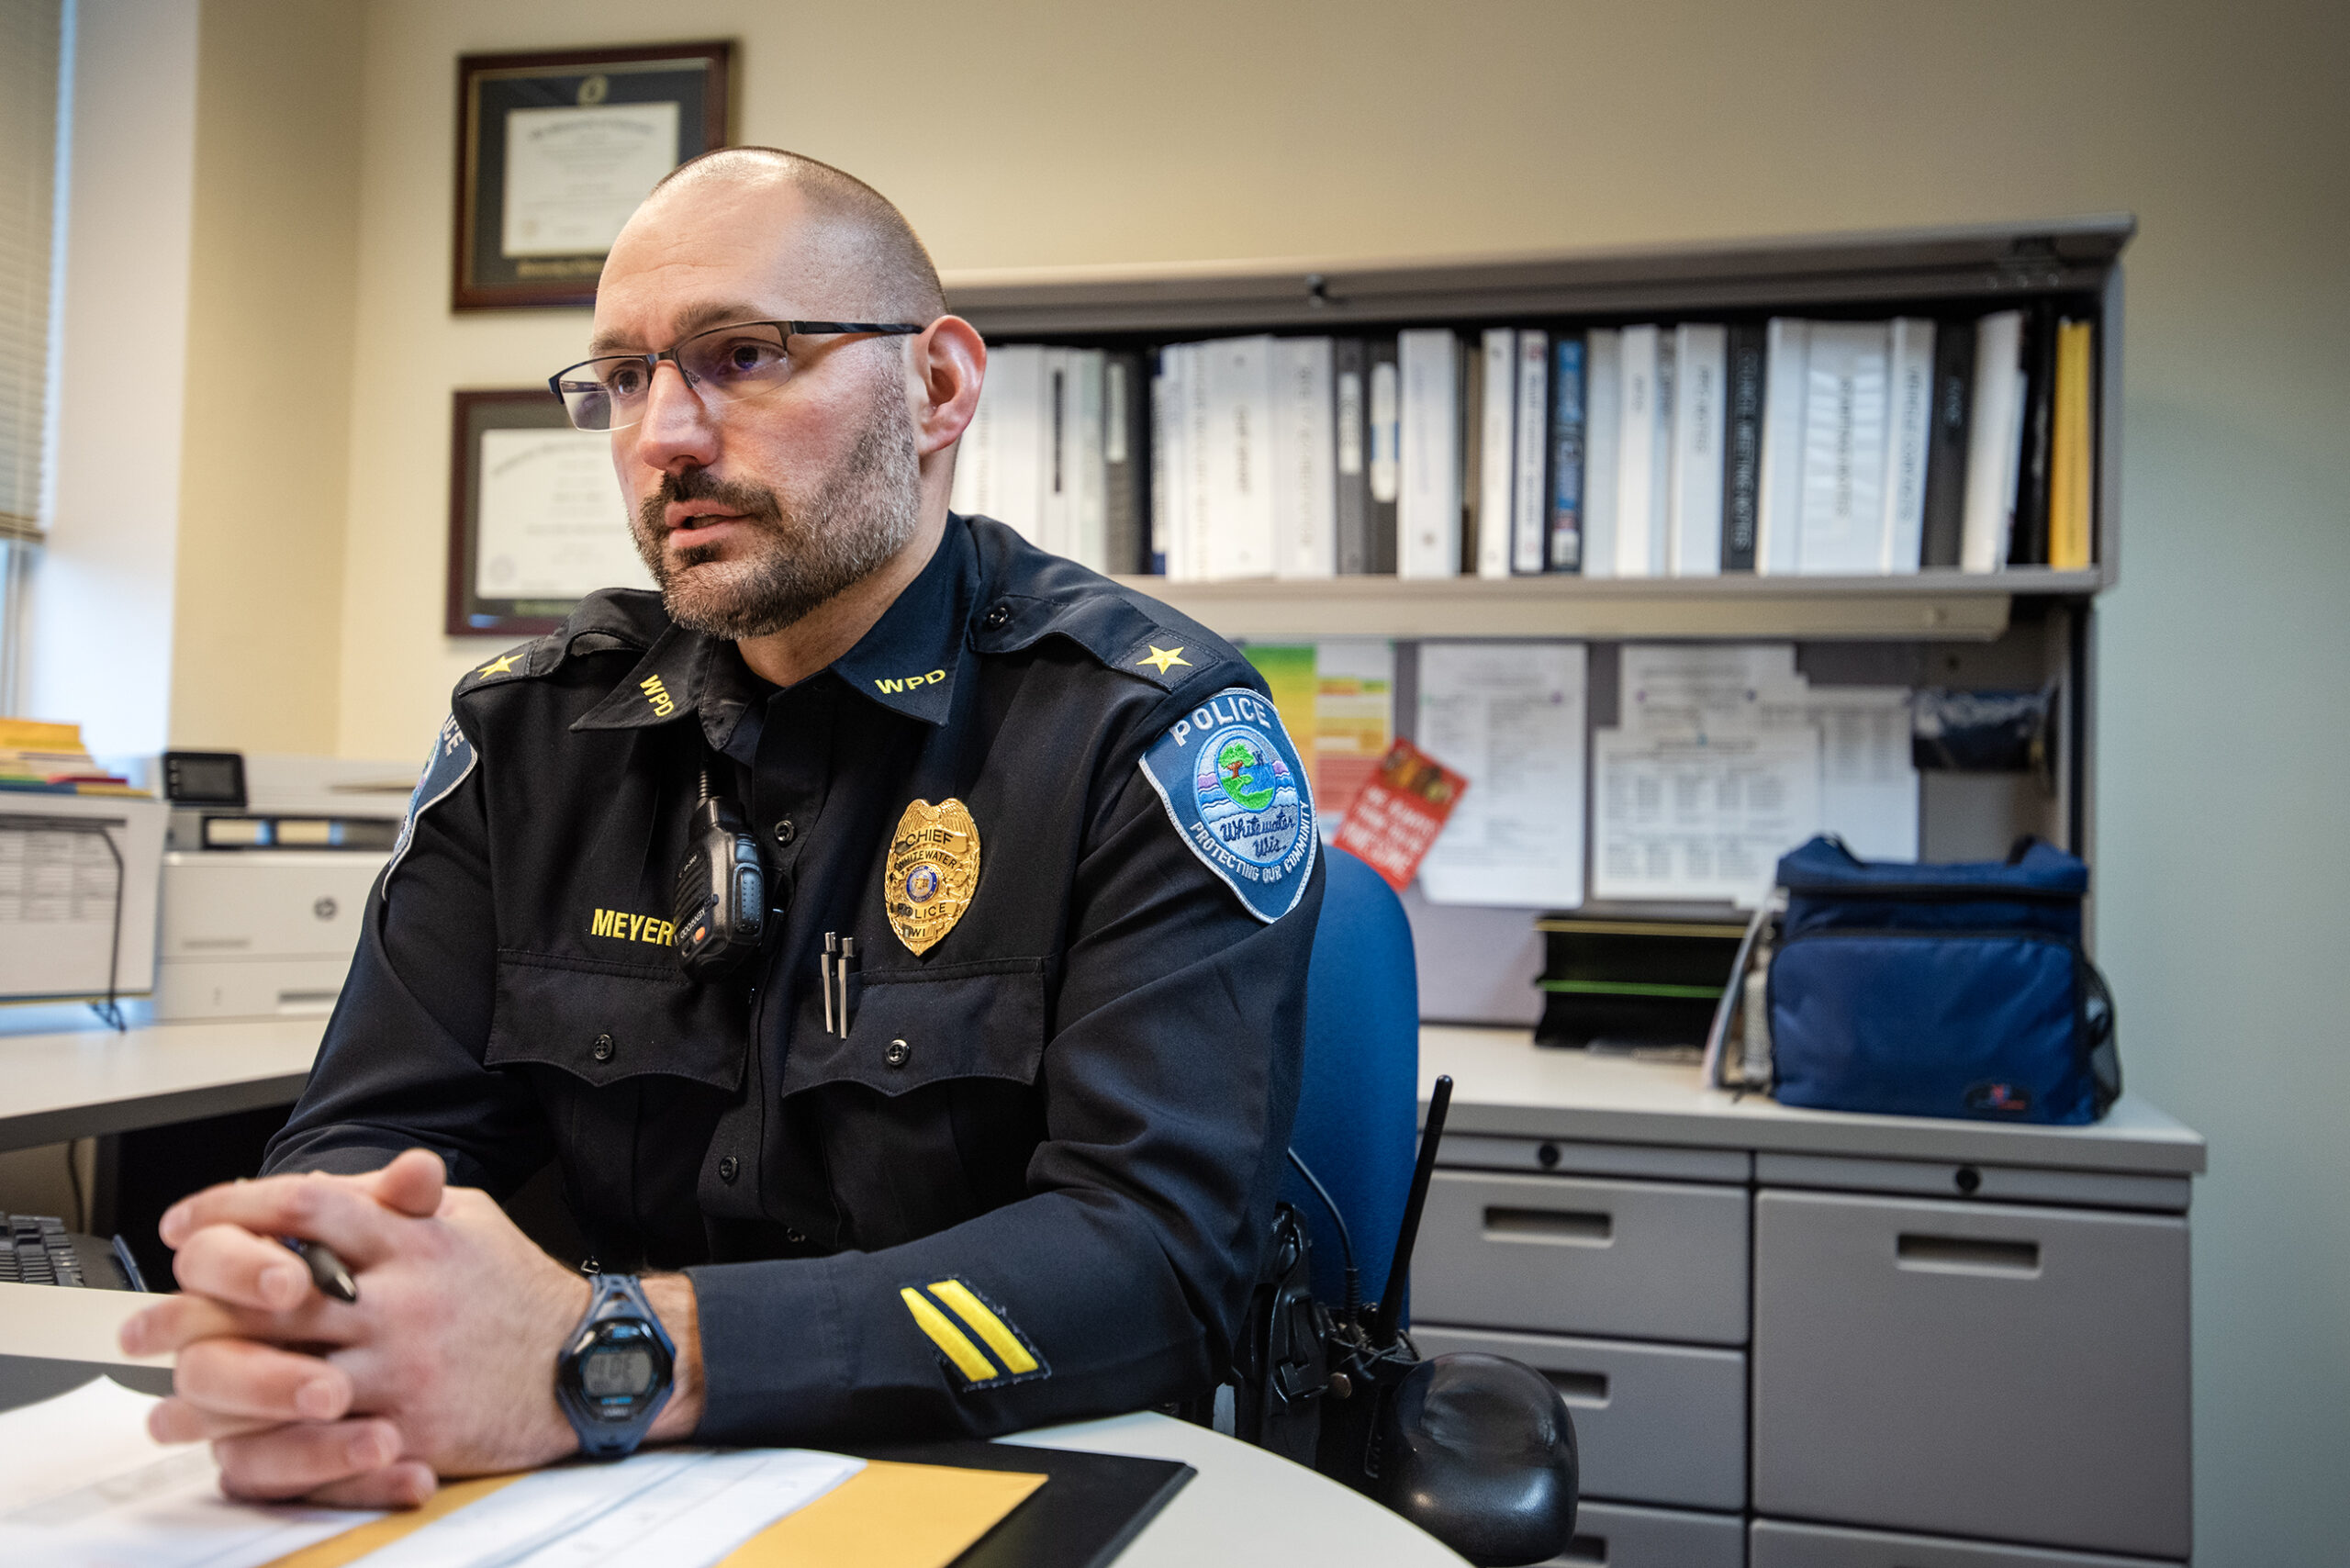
(933, 870)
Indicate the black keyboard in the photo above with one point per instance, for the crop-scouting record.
(40, 1251)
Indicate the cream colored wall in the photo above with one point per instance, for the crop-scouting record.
(256, 645)
(1062, 133)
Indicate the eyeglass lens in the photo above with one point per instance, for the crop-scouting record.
(730, 363)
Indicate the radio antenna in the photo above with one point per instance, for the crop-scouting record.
(1399, 1268)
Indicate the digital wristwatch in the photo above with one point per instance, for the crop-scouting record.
(616, 1369)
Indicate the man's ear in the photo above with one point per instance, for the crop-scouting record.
(946, 366)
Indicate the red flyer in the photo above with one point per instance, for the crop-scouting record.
(1394, 818)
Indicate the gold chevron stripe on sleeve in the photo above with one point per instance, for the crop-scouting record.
(987, 1325)
(947, 1338)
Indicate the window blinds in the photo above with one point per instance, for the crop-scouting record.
(28, 85)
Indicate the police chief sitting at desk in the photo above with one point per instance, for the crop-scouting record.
(973, 1121)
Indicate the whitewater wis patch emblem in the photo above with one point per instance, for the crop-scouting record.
(1235, 789)
(932, 870)
(451, 760)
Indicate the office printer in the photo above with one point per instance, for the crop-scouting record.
(267, 865)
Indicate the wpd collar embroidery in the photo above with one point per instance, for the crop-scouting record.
(907, 661)
(1235, 789)
(663, 685)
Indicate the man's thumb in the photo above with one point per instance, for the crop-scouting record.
(413, 1183)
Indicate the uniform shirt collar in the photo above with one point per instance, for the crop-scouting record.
(665, 685)
(683, 675)
(905, 661)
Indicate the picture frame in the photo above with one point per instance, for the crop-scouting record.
(536, 519)
(555, 148)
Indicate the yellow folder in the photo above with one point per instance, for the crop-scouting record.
(2070, 507)
(886, 1515)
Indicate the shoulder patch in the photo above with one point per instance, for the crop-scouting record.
(452, 757)
(1234, 787)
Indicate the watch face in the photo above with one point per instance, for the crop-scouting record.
(616, 1369)
(613, 1371)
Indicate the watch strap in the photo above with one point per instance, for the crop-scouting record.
(620, 1295)
(615, 1296)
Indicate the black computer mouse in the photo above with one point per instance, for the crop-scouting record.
(1480, 1452)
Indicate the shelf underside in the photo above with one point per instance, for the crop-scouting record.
(1987, 263)
(1929, 607)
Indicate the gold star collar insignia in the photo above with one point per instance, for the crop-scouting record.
(1162, 657)
(499, 666)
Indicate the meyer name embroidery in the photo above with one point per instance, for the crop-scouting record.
(622, 926)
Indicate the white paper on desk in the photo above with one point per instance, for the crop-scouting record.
(82, 1485)
(1696, 688)
(683, 1507)
(1509, 716)
(1700, 818)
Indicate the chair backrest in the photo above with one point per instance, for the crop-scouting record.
(1358, 1111)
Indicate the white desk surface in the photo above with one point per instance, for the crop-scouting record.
(86, 1079)
(1504, 1084)
(1245, 1506)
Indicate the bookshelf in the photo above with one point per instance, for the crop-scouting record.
(2017, 628)
(1872, 275)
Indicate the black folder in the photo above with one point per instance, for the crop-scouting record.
(1089, 1506)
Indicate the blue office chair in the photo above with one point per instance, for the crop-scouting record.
(1476, 1449)
(1358, 1107)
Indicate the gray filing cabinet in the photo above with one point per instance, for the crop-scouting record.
(1792, 1338)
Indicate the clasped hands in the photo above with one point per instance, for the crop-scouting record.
(444, 1366)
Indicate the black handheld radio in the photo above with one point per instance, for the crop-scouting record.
(720, 905)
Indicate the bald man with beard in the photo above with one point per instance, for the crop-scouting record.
(1009, 1160)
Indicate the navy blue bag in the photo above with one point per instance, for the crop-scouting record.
(1940, 990)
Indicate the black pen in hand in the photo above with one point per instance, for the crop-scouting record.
(327, 1272)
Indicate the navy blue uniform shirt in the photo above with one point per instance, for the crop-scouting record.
(1031, 1181)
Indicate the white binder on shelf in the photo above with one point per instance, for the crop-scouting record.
(1427, 521)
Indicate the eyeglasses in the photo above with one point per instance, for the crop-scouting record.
(609, 392)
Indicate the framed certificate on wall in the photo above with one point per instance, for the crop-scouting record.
(536, 520)
(556, 150)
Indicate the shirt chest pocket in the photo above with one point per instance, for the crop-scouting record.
(603, 1022)
(929, 1111)
(909, 1030)
(632, 1067)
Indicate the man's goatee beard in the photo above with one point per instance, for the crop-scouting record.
(807, 550)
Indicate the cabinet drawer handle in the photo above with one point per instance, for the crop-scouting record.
(1581, 1388)
(1573, 1228)
(1967, 1255)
